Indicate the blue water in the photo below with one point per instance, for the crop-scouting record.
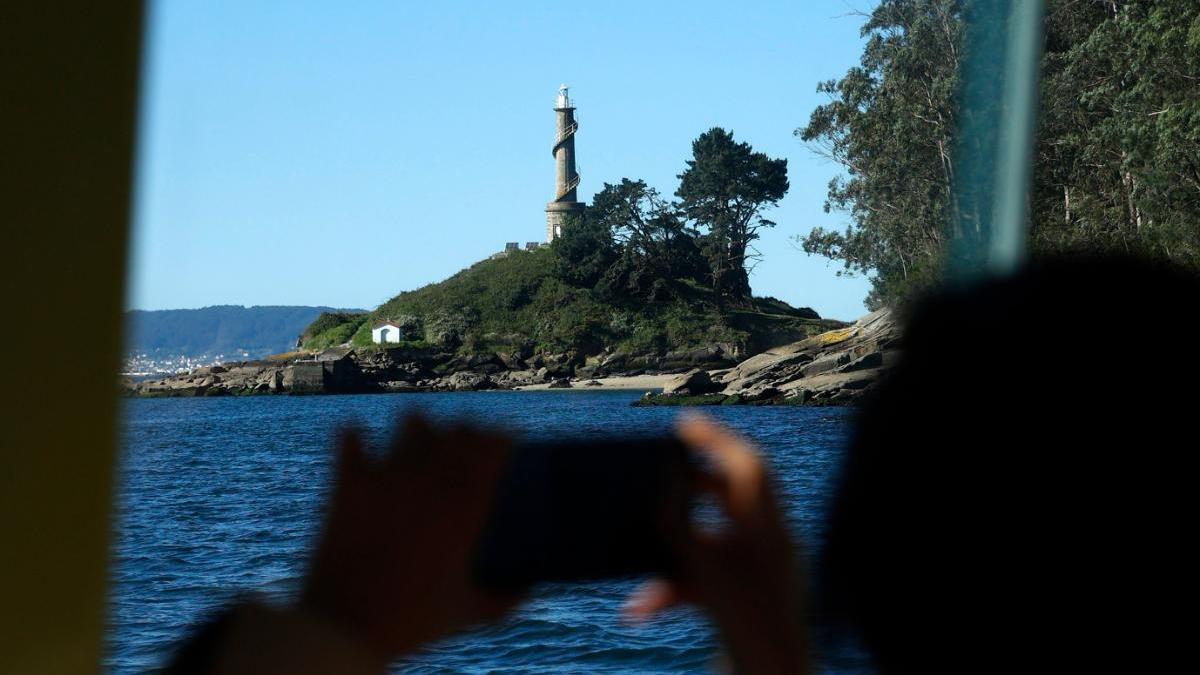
(220, 496)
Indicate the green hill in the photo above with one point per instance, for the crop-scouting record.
(517, 300)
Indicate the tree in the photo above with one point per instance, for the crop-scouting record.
(629, 243)
(656, 244)
(890, 123)
(585, 251)
(1117, 158)
(724, 190)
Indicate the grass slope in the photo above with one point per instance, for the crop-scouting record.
(499, 302)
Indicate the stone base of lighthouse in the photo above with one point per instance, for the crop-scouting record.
(557, 214)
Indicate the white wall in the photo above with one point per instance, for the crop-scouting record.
(385, 334)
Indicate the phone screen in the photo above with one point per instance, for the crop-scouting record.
(579, 510)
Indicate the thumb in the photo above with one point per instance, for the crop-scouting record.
(650, 598)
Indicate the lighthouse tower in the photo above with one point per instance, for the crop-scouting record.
(566, 177)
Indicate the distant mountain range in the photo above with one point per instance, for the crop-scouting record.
(230, 330)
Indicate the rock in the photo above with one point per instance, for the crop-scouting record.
(829, 383)
(467, 381)
(870, 360)
(644, 363)
(452, 364)
(761, 394)
(766, 366)
(593, 383)
(825, 364)
(834, 368)
(560, 365)
(692, 383)
(560, 383)
(487, 363)
(612, 363)
(720, 374)
(512, 360)
(518, 377)
(855, 383)
(678, 400)
(707, 357)
(334, 354)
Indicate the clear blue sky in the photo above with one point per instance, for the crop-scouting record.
(338, 153)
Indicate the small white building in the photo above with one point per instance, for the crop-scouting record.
(385, 332)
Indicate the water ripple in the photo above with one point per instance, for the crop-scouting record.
(218, 497)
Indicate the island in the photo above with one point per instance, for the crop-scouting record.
(510, 323)
(627, 291)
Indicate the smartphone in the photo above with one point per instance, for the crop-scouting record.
(586, 509)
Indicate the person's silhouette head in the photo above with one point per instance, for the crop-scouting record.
(1015, 492)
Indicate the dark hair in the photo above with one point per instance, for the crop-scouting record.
(1015, 493)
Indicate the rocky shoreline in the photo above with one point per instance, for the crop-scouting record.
(834, 367)
(346, 370)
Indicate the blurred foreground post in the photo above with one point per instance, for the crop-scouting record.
(69, 97)
(998, 110)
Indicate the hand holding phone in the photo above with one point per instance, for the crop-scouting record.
(746, 575)
(592, 509)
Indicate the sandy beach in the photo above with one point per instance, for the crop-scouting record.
(639, 382)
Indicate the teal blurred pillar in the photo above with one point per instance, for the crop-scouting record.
(997, 116)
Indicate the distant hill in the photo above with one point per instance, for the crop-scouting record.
(221, 329)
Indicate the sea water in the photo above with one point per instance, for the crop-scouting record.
(220, 497)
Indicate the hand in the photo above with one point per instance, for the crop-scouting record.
(393, 564)
(746, 575)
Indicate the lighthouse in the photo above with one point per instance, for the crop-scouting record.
(566, 181)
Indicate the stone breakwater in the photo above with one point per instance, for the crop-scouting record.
(834, 368)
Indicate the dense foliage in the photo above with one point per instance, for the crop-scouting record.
(519, 299)
(890, 123)
(633, 241)
(646, 243)
(724, 190)
(1117, 156)
(332, 328)
(1118, 160)
(329, 320)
